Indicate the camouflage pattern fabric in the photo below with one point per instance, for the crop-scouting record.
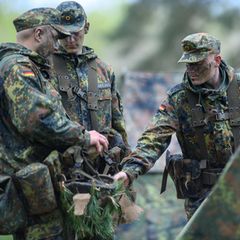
(44, 226)
(110, 110)
(33, 121)
(218, 216)
(32, 108)
(73, 16)
(13, 215)
(37, 176)
(38, 17)
(198, 46)
(174, 116)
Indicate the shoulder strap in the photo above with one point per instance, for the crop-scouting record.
(62, 72)
(92, 95)
(197, 122)
(233, 94)
(175, 89)
(64, 85)
(4, 60)
(234, 113)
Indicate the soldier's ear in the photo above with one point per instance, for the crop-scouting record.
(86, 27)
(218, 60)
(38, 32)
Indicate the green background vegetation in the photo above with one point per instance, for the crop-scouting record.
(146, 34)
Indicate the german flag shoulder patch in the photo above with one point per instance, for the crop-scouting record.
(162, 107)
(28, 73)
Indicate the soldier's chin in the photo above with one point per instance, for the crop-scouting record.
(196, 81)
(72, 50)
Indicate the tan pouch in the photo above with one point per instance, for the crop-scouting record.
(81, 201)
(130, 210)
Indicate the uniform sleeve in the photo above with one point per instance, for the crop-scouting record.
(118, 122)
(153, 142)
(37, 116)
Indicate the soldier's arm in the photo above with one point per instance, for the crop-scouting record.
(118, 122)
(153, 142)
(37, 115)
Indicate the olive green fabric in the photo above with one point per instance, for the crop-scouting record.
(12, 212)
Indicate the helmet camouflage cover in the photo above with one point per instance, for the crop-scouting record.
(198, 46)
(73, 16)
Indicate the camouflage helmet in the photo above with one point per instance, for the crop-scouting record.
(198, 46)
(38, 17)
(73, 16)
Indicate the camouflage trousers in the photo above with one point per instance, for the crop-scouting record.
(45, 227)
(21, 237)
(48, 226)
(192, 204)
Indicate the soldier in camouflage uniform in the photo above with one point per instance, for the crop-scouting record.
(73, 63)
(202, 112)
(33, 121)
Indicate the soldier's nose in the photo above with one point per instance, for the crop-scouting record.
(56, 45)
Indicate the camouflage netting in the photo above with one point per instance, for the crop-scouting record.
(142, 94)
(97, 221)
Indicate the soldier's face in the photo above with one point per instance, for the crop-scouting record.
(73, 44)
(203, 71)
(49, 41)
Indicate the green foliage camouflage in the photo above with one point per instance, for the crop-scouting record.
(97, 221)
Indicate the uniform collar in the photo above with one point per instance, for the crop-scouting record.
(15, 48)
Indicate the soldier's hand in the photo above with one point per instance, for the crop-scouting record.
(122, 176)
(99, 141)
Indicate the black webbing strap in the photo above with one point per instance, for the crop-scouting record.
(165, 173)
(210, 178)
(92, 94)
(198, 117)
(60, 67)
(233, 94)
(164, 180)
(171, 161)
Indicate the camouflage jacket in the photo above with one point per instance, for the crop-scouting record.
(110, 110)
(174, 116)
(33, 121)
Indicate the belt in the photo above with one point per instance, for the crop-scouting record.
(210, 176)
